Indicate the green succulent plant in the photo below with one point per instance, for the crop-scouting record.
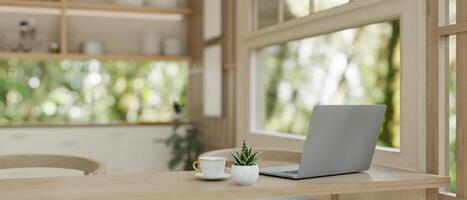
(246, 156)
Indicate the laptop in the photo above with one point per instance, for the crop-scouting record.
(341, 140)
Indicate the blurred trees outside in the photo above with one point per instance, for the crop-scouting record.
(83, 92)
(452, 113)
(452, 99)
(353, 66)
(268, 13)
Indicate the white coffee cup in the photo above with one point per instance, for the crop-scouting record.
(210, 167)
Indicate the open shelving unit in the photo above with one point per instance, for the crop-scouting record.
(72, 18)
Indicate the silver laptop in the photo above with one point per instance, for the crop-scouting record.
(341, 139)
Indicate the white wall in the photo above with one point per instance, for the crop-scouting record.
(123, 149)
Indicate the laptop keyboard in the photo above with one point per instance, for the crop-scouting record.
(291, 172)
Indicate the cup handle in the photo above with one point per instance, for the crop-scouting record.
(195, 166)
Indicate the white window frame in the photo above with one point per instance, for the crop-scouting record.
(363, 12)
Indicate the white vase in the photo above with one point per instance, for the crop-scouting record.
(245, 175)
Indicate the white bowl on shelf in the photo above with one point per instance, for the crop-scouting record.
(163, 3)
(129, 2)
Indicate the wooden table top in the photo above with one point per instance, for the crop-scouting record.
(184, 185)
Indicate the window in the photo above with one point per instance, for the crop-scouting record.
(353, 66)
(353, 53)
(452, 9)
(296, 8)
(77, 92)
(267, 13)
(447, 96)
(326, 4)
(270, 12)
(452, 113)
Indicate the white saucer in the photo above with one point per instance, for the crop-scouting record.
(221, 177)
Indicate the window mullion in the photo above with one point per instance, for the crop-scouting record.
(312, 6)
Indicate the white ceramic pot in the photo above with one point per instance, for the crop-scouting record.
(245, 175)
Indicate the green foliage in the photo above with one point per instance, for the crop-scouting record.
(246, 156)
(82, 92)
(452, 114)
(185, 148)
(354, 66)
(390, 89)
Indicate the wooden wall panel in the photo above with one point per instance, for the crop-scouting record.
(217, 132)
(432, 90)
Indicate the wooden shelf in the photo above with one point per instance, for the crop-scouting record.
(94, 9)
(126, 57)
(63, 9)
(124, 8)
(51, 56)
(95, 125)
(6, 55)
(29, 3)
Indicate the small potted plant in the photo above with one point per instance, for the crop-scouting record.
(245, 169)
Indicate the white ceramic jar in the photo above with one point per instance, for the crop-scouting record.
(93, 48)
(173, 47)
(245, 175)
(151, 42)
(163, 3)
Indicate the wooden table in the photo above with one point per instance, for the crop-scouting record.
(183, 185)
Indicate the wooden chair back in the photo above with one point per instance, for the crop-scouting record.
(269, 157)
(88, 166)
